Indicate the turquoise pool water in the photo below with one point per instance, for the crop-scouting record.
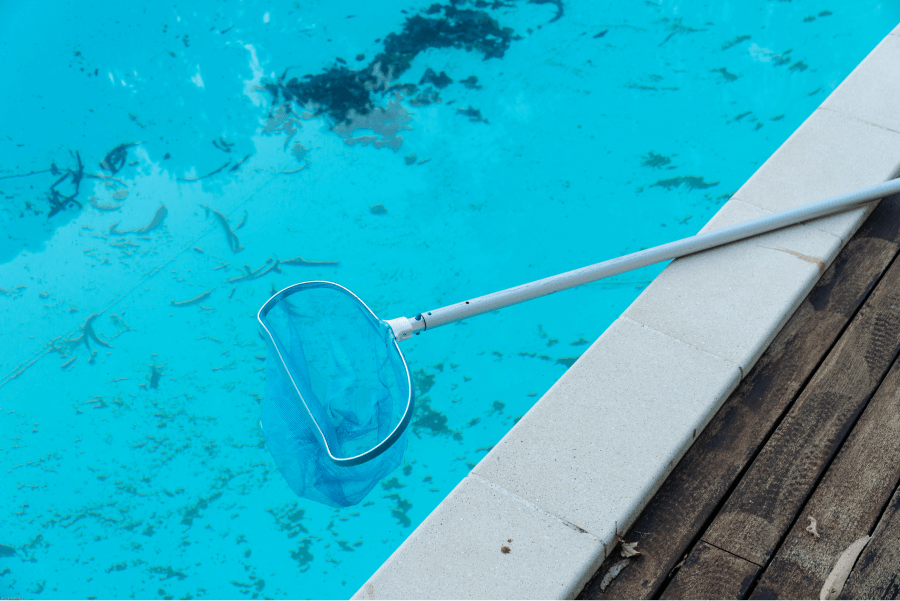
(546, 136)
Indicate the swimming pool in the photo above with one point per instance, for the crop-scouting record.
(131, 376)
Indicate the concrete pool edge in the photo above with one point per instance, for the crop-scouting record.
(536, 517)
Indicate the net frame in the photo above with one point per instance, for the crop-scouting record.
(398, 430)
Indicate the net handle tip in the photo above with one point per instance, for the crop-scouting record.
(405, 327)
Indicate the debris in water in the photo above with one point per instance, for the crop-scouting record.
(378, 209)
(193, 301)
(392, 483)
(237, 165)
(115, 159)
(154, 376)
(302, 555)
(473, 114)
(222, 145)
(439, 81)
(471, 83)
(299, 151)
(692, 182)
(392, 143)
(292, 171)
(725, 73)
(340, 90)
(400, 512)
(386, 123)
(423, 381)
(567, 361)
(230, 236)
(676, 27)
(105, 207)
(253, 274)
(426, 97)
(432, 422)
(157, 220)
(211, 173)
(300, 261)
(653, 159)
(59, 201)
(735, 41)
(88, 333)
(559, 8)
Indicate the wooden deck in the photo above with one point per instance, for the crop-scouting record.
(813, 431)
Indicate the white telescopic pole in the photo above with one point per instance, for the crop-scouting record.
(405, 327)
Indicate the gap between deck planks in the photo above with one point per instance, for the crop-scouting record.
(674, 519)
(876, 574)
(846, 505)
(758, 514)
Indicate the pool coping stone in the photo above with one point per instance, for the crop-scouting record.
(874, 73)
(584, 461)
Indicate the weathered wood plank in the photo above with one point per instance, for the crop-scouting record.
(846, 505)
(671, 522)
(876, 574)
(770, 495)
(711, 573)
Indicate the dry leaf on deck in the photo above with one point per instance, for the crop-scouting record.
(678, 565)
(834, 584)
(628, 549)
(612, 573)
(812, 527)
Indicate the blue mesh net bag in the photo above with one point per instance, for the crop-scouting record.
(337, 398)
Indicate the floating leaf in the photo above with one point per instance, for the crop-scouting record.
(834, 584)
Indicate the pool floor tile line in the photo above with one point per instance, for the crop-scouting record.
(598, 445)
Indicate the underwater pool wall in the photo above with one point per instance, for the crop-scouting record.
(537, 516)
